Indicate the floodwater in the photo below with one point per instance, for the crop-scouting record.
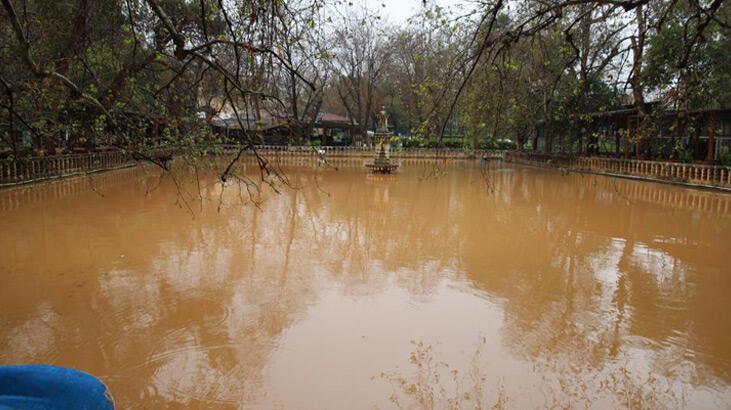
(445, 285)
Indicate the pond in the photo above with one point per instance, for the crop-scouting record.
(446, 284)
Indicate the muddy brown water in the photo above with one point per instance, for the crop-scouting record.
(447, 284)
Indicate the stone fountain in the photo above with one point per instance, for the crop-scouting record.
(382, 162)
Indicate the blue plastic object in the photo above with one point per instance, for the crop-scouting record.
(42, 387)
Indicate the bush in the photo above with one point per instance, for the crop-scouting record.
(501, 144)
(453, 143)
(448, 142)
(486, 144)
(411, 142)
(724, 156)
(506, 145)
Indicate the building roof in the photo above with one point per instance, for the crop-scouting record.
(233, 123)
(324, 119)
(328, 117)
(657, 107)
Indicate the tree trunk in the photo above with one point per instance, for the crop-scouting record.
(638, 46)
(549, 134)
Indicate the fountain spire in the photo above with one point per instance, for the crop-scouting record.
(382, 162)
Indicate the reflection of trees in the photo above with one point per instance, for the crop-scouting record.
(586, 284)
(582, 272)
(380, 228)
(200, 300)
(165, 307)
(581, 278)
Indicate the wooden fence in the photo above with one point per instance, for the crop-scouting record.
(25, 170)
(711, 176)
(335, 151)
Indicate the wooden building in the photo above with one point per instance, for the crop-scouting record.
(334, 130)
(328, 129)
(622, 133)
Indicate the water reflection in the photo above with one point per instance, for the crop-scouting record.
(573, 288)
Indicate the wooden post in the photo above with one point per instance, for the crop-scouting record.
(638, 145)
(711, 155)
(627, 135)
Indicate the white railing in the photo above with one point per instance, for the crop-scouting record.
(349, 151)
(30, 169)
(694, 174)
(23, 170)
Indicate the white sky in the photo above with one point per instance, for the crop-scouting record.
(398, 11)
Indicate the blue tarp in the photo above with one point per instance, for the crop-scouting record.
(41, 387)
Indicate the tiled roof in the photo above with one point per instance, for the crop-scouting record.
(335, 118)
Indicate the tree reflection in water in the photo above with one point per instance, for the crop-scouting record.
(583, 289)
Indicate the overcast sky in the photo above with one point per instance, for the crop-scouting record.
(398, 11)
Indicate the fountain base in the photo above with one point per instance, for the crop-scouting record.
(382, 168)
(382, 163)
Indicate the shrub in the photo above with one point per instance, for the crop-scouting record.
(415, 142)
(501, 144)
(411, 142)
(506, 144)
(724, 156)
(453, 143)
